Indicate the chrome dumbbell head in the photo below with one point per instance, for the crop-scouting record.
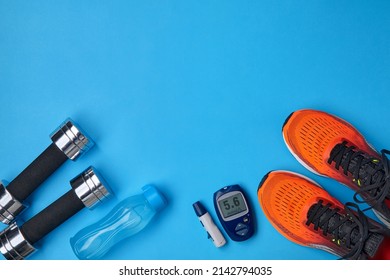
(10, 207)
(90, 187)
(71, 140)
(13, 245)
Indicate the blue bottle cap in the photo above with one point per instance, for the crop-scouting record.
(154, 197)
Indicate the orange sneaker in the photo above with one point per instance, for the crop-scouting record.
(306, 214)
(329, 146)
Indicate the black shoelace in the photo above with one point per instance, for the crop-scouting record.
(370, 174)
(349, 231)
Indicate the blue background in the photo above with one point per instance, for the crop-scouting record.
(189, 96)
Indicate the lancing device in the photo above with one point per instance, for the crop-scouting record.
(207, 222)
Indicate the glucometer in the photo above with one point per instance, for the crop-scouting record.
(234, 212)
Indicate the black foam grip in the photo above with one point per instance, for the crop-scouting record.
(37, 172)
(51, 217)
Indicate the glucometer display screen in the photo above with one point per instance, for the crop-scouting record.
(232, 205)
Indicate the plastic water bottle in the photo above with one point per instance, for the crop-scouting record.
(126, 219)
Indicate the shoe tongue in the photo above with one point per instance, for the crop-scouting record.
(372, 168)
(372, 243)
(369, 168)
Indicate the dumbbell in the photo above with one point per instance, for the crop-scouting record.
(88, 190)
(68, 142)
